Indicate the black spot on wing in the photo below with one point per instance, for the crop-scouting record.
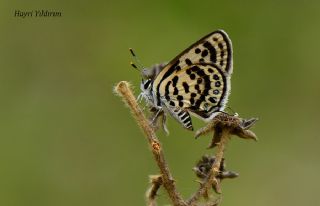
(192, 96)
(195, 68)
(197, 87)
(186, 87)
(175, 91)
(222, 54)
(204, 53)
(207, 84)
(172, 103)
(212, 51)
(197, 104)
(188, 62)
(167, 88)
(207, 87)
(192, 76)
(213, 100)
(174, 81)
(201, 73)
(167, 73)
(215, 77)
(191, 100)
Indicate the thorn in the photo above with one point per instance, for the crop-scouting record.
(247, 123)
(198, 181)
(229, 174)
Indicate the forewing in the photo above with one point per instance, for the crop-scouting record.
(214, 48)
(200, 88)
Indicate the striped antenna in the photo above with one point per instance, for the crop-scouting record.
(137, 61)
(134, 66)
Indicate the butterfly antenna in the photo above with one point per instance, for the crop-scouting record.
(137, 61)
(134, 66)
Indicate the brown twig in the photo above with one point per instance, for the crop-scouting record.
(151, 194)
(123, 89)
(211, 179)
(223, 126)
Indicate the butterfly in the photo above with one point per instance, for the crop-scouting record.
(195, 82)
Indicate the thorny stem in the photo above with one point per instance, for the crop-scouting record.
(156, 182)
(211, 179)
(223, 128)
(124, 90)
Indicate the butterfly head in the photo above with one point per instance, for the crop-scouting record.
(146, 90)
(148, 76)
(151, 73)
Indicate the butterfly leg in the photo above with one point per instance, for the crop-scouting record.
(139, 98)
(158, 119)
(156, 116)
(164, 123)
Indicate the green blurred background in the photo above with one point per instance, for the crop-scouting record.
(67, 140)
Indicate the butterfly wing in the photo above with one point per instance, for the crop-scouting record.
(214, 48)
(197, 80)
(199, 88)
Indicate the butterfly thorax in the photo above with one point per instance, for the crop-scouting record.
(146, 92)
(149, 74)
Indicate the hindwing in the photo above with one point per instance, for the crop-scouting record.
(199, 88)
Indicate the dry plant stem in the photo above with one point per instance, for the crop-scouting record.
(156, 182)
(211, 180)
(123, 89)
